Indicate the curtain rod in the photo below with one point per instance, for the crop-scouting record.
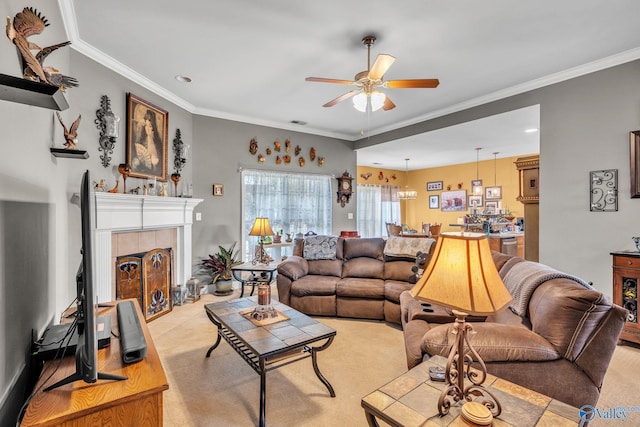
(242, 168)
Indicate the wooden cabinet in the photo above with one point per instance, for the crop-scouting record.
(529, 177)
(508, 245)
(626, 278)
(136, 401)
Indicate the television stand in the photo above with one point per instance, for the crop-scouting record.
(126, 403)
(77, 377)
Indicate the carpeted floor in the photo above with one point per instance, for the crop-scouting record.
(224, 391)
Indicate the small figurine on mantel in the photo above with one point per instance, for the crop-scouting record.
(71, 134)
(162, 189)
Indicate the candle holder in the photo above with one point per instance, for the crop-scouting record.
(175, 178)
(264, 309)
(124, 170)
(264, 294)
(107, 124)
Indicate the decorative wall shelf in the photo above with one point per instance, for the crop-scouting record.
(70, 154)
(23, 91)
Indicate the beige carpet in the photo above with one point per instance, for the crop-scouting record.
(224, 391)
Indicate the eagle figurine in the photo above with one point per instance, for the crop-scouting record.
(71, 134)
(25, 24)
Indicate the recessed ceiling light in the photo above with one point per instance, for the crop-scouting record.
(298, 122)
(183, 79)
(532, 130)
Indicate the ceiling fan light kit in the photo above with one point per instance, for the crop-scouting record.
(375, 99)
(367, 96)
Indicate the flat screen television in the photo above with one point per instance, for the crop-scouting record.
(87, 348)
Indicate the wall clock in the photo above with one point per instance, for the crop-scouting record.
(345, 188)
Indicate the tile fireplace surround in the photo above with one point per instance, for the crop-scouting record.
(125, 213)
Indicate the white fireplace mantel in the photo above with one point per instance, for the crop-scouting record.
(129, 212)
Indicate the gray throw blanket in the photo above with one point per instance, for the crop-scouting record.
(523, 277)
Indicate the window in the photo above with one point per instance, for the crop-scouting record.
(293, 202)
(377, 205)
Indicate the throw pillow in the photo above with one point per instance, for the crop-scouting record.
(320, 247)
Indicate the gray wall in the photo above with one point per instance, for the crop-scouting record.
(584, 126)
(222, 150)
(39, 227)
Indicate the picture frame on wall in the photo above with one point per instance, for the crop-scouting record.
(475, 201)
(491, 208)
(434, 201)
(218, 190)
(453, 201)
(434, 186)
(493, 193)
(147, 139)
(634, 151)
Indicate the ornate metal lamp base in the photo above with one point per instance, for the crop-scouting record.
(459, 366)
(261, 256)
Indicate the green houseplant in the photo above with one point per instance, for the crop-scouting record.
(219, 266)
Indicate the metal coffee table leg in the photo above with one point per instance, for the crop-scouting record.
(219, 326)
(314, 359)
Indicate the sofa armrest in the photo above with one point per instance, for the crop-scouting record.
(413, 333)
(294, 267)
(494, 343)
(597, 352)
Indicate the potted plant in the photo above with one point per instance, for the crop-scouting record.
(219, 266)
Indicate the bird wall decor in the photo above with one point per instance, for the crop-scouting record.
(71, 134)
(25, 24)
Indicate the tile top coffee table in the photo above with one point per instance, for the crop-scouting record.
(412, 400)
(263, 347)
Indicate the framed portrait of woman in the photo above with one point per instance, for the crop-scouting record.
(147, 139)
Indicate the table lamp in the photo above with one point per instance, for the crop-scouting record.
(261, 228)
(463, 277)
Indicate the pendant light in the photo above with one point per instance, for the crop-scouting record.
(477, 189)
(407, 194)
(495, 174)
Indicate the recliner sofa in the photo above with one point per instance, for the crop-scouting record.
(560, 345)
(363, 279)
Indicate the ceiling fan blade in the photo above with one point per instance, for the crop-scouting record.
(416, 83)
(341, 98)
(382, 64)
(388, 104)
(323, 80)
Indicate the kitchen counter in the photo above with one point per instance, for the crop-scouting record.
(511, 243)
(506, 235)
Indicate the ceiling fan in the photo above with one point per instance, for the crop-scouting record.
(370, 80)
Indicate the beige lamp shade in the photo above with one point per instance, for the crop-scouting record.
(463, 276)
(261, 227)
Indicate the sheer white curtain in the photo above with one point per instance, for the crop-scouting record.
(293, 202)
(377, 205)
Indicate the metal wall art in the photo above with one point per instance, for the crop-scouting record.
(180, 151)
(604, 190)
(180, 155)
(107, 124)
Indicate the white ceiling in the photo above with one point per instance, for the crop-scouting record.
(509, 134)
(248, 59)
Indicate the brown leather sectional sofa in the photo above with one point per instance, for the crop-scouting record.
(561, 347)
(361, 281)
